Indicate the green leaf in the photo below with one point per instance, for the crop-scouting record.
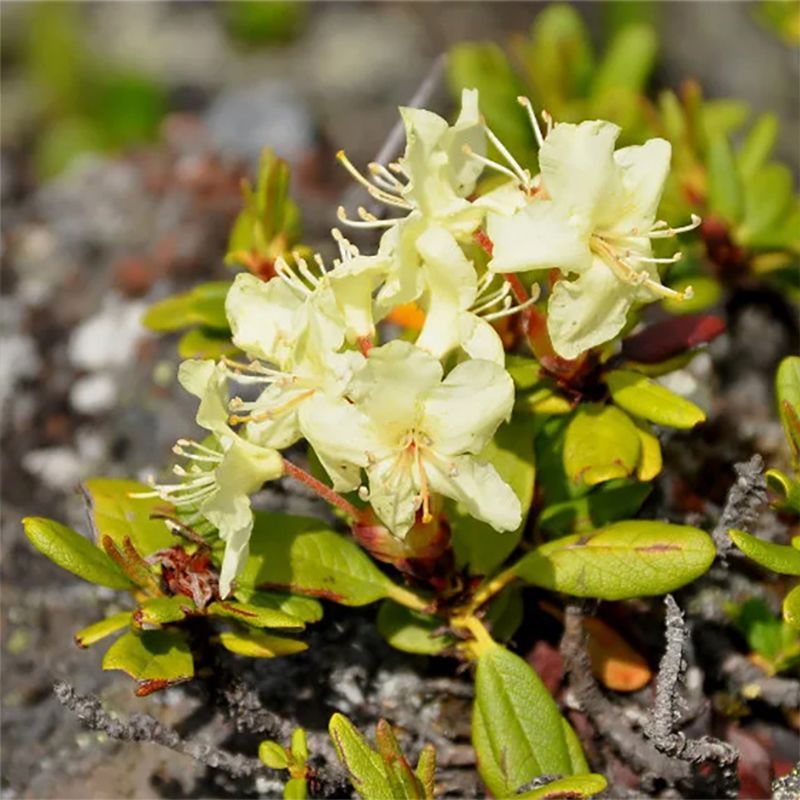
(757, 146)
(485, 67)
(576, 787)
(255, 616)
(411, 631)
(205, 343)
(364, 766)
(512, 454)
(722, 117)
(273, 755)
(577, 757)
(777, 557)
(706, 292)
(160, 611)
(114, 513)
(606, 503)
(645, 398)
(725, 196)
(204, 305)
(159, 657)
(787, 388)
(791, 607)
(505, 614)
(627, 559)
(74, 553)
(257, 644)
(559, 58)
(301, 555)
(628, 61)
(299, 746)
(767, 202)
(516, 726)
(601, 443)
(787, 489)
(100, 630)
(305, 608)
(426, 770)
(766, 634)
(295, 788)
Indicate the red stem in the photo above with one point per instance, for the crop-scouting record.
(325, 492)
(519, 291)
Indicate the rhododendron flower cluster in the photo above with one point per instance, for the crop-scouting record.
(403, 422)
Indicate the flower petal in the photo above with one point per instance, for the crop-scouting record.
(643, 170)
(540, 236)
(205, 380)
(463, 171)
(262, 316)
(479, 339)
(462, 414)
(588, 311)
(479, 487)
(390, 387)
(393, 494)
(451, 285)
(353, 282)
(342, 438)
(578, 168)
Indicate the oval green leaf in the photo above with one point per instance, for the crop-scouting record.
(87, 636)
(256, 616)
(411, 631)
(517, 730)
(161, 611)
(787, 388)
(791, 607)
(202, 305)
(635, 558)
(577, 786)
(115, 513)
(157, 656)
(74, 553)
(257, 644)
(647, 399)
(601, 443)
(781, 558)
(273, 755)
(364, 766)
(305, 608)
(301, 555)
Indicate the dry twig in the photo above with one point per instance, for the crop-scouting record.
(744, 499)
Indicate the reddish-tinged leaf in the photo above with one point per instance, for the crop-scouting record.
(671, 337)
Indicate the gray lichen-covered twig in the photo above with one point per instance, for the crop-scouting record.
(744, 499)
(665, 714)
(144, 728)
(615, 728)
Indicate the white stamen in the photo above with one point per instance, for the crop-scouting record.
(537, 131)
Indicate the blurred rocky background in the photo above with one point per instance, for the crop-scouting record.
(126, 128)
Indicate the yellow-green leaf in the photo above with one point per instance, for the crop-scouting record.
(202, 305)
(205, 343)
(725, 195)
(256, 616)
(780, 558)
(364, 766)
(517, 730)
(87, 636)
(576, 786)
(301, 555)
(601, 443)
(305, 608)
(74, 553)
(787, 388)
(791, 607)
(152, 656)
(257, 644)
(634, 558)
(160, 611)
(647, 399)
(116, 514)
(273, 755)
(411, 631)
